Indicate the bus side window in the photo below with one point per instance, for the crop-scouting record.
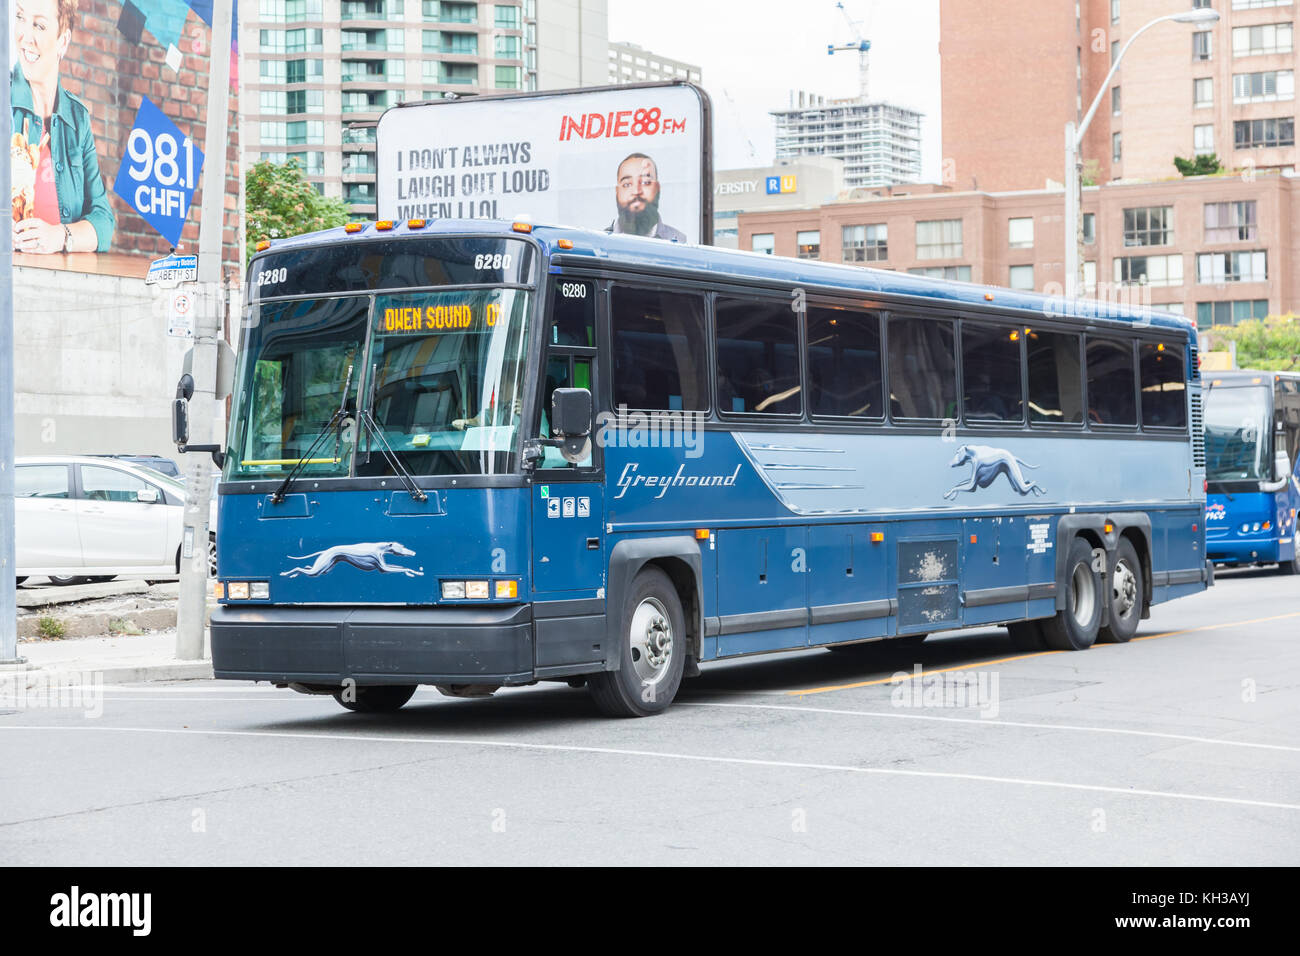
(990, 356)
(1055, 378)
(1164, 391)
(922, 368)
(1110, 382)
(658, 350)
(571, 340)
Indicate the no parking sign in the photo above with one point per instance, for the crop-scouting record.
(180, 315)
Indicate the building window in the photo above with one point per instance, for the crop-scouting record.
(507, 18)
(866, 243)
(1114, 52)
(1203, 139)
(1229, 313)
(1149, 226)
(1022, 278)
(954, 273)
(1203, 92)
(508, 78)
(1089, 227)
(1020, 233)
(1250, 4)
(1114, 101)
(1214, 268)
(1258, 133)
(1116, 147)
(1230, 221)
(808, 244)
(1202, 45)
(1263, 39)
(1090, 276)
(764, 242)
(1114, 11)
(1263, 87)
(1149, 270)
(507, 48)
(939, 239)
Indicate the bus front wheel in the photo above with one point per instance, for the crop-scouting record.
(653, 652)
(1075, 626)
(375, 698)
(1292, 566)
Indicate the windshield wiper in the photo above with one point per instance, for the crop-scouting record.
(335, 420)
(385, 449)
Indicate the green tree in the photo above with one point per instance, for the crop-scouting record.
(1207, 165)
(281, 203)
(1271, 344)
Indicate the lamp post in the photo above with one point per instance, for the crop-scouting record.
(1074, 143)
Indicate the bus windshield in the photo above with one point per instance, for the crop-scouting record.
(348, 384)
(1236, 424)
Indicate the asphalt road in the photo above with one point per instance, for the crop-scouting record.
(1182, 747)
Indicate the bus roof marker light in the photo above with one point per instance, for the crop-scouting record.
(416, 223)
(383, 225)
(564, 243)
(988, 296)
(522, 227)
(264, 245)
(354, 227)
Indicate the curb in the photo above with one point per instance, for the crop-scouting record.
(126, 673)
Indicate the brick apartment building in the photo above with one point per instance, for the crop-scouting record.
(1218, 249)
(1015, 71)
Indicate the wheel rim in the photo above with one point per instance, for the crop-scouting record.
(212, 558)
(1124, 589)
(1083, 596)
(651, 641)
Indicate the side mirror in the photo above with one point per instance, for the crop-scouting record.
(571, 419)
(148, 496)
(1281, 466)
(180, 422)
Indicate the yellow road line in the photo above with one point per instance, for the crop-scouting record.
(893, 679)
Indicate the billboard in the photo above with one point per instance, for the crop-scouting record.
(631, 159)
(108, 99)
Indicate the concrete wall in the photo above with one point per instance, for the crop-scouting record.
(94, 369)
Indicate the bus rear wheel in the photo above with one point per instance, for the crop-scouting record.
(1075, 626)
(654, 650)
(375, 698)
(1126, 596)
(1027, 635)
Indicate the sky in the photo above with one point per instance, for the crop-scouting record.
(752, 53)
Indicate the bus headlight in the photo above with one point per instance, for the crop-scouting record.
(237, 590)
(453, 590)
(476, 590)
(259, 590)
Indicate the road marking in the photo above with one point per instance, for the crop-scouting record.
(893, 679)
(664, 755)
(993, 723)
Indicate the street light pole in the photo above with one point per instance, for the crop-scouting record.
(1074, 146)
(8, 600)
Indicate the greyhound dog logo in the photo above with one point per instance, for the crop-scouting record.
(986, 464)
(366, 556)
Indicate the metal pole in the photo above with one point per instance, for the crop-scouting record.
(1073, 198)
(192, 608)
(8, 600)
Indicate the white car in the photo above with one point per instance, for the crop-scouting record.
(81, 517)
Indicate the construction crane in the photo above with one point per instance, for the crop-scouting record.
(862, 45)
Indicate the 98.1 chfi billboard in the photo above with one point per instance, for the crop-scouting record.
(626, 159)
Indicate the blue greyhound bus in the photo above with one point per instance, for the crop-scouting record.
(1252, 447)
(478, 454)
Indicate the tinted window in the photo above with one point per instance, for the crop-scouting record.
(109, 484)
(658, 349)
(990, 364)
(1055, 378)
(1164, 393)
(1110, 382)
(758, 357)
(41, 481)
(573, 307)
(844, 367)
(922, 369)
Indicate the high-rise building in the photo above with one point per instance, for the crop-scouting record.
(879, 142)
(629, 63)
(321, 72)
(1015, 72)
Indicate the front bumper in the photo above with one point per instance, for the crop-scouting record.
(1243, 551)
(374, 645)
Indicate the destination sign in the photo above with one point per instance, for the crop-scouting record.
(454, 317)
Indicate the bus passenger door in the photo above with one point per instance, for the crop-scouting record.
(568, 499)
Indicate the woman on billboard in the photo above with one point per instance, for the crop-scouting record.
(59, 200)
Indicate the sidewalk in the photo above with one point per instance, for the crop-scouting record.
(114, 660)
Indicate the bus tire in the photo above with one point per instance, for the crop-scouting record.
(376, 698)
(1126, 596)
(1075, 626)
(653, 632)
(1292, 566)
(1027, 635)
